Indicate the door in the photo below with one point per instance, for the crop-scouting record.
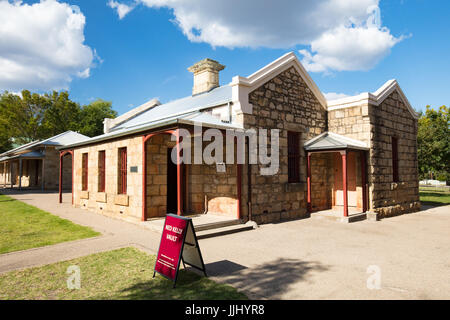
(351, 180)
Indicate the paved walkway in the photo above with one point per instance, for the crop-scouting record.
(304, 259)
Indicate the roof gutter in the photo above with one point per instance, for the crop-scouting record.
(117, 135)
(148, 127)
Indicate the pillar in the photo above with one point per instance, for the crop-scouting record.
(363, 179)
(11, 173)
(144, 177)
(42, 175)
(20, 174)
(308, 182)
(239, 189)
(179, 182)
(344, 182)
(60, 176)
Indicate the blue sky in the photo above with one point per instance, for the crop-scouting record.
(145, 54)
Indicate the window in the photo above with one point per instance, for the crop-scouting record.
(84, 172)
(122, 176)
(101, 171)
(395, 159)
(293, 157)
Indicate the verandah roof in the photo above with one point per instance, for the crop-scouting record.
(333, 141)
(28, 155)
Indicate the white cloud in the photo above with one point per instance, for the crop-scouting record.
(42, 45)
(348, 48)
(121, 8)
(342, 34)
(334, 96)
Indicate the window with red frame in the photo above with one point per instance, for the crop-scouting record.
(101, 171)
(395, 177)
(293, 157)
(84, 172)
(122, 176)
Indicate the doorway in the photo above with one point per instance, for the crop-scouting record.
(171, 183)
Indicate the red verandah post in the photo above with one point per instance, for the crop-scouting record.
(363, 180)
(61, 155)
(308, 182)
(179, 197)
(344, 181)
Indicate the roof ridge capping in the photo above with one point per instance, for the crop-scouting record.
(375, 98)
(109, 124)
(275, 67)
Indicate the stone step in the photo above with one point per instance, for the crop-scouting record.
(224, 230)
(216, 225)
(351, 218)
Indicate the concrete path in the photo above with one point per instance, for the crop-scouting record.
(303, 259)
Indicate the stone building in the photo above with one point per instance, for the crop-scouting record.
(348, 158)
(36, 164)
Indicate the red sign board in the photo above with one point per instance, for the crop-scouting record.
(178, 244)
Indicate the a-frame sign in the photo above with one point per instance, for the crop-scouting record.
(178, 244)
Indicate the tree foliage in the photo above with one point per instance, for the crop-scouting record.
(32, 116)
(433, 140)
(93, 115)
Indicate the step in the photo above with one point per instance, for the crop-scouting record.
(351, 218)
(223, 231)
(215, 225)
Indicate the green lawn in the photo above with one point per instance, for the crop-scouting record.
(434, 197)
(119, 274)
(23, 227)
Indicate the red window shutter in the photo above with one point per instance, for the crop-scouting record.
(101, 171)
(293, 157)
(395, 177)
(84, 175)
(123, 170)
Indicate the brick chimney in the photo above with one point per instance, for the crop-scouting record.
(206, 75)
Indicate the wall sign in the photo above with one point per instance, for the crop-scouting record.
(134, 169)
(178, 244)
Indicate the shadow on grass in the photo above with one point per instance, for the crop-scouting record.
(190, 286)
(433, 203)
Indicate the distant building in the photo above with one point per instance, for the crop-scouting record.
(36, 164)
(352, 155)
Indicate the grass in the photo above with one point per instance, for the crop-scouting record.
(119, 274)
(434, 197)
(23, 227)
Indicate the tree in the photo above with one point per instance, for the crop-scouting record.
(92, 116)
(5, 141)
(22, 117)
(433, 140)
(62, 114)
(32, 116)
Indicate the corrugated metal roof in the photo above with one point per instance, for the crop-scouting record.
(331, 140)
(185, 110)
(205, 119)
(28, 155)
(58, 140)
(217, 96)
